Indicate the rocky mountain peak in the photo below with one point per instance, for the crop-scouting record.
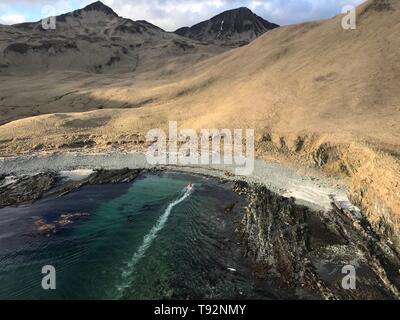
(101, 7)
(233, 27)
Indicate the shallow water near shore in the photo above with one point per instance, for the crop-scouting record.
(149, 239)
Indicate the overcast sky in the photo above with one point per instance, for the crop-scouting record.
(172, 14)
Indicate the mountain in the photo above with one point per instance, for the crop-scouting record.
(233, 27)
(315, 94)
(99, 7)
(95, 39)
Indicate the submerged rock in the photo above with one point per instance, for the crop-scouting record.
(45, 228)
(68, 218)
(230, 208)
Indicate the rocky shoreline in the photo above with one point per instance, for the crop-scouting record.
(29, 188)
(297, 246)
(306, 250)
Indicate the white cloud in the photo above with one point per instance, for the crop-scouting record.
(172, 14)
(290, 11)
(12, 18)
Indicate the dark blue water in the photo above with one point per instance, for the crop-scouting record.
(151, 239)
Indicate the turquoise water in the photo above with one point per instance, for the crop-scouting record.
(151, 239)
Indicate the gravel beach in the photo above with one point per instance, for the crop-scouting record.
(315, 192)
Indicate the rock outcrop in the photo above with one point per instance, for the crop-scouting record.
(26, 188)
(306, 250)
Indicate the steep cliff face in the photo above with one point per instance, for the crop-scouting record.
(306, 250)
(371, 172)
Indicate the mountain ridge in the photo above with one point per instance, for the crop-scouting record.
(94, 39)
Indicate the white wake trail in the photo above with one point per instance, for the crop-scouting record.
(149, 238)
